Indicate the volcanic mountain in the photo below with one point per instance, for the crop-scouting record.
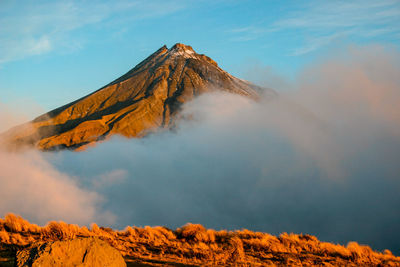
(146, 98)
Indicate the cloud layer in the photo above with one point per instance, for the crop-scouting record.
(323, 160)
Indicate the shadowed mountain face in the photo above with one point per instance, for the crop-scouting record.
(146, 98)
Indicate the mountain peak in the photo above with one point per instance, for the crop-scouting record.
(182, 50)
(182, 47)
(146, 98)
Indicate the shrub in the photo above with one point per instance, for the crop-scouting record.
(193, 232)
(16, 224)
(59, 231)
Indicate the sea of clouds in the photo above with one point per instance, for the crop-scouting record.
(322, 158)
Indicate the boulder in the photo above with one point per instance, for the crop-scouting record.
(77, 252)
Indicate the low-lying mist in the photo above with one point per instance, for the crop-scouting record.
(323, 159)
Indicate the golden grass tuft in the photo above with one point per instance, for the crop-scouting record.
(17, 224)
(195, 233)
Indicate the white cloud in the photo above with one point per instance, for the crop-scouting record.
(317, 42)
(39, 46)
(33, 188)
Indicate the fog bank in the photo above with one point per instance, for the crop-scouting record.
(322, 159)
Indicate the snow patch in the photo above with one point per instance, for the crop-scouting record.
(184, 52)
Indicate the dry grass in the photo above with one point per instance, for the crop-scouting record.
(193, 244)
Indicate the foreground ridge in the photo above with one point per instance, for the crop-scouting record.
(192, 244)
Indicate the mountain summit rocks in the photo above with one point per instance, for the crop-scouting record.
(143, 100)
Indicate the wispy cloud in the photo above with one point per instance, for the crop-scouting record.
(247, 33)
(341, 14)
(319, 23)
(316, 42)
(33, 28)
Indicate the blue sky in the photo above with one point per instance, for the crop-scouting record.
(53, 52)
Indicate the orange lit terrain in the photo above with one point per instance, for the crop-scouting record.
(193, 245)
(146, 98)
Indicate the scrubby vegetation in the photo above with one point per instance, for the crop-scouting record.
(193, 244)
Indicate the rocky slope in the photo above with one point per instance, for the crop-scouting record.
(144, 99)
(193, 245)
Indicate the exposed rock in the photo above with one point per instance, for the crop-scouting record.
(90, 252)
(145, 99)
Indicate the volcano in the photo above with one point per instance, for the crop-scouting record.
(145, 99)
